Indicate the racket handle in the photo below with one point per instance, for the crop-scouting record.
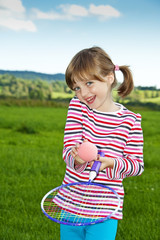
(95, 168)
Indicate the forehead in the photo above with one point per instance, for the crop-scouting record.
(80, 81)
(82, 77)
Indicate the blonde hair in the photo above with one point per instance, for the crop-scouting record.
(94, 63)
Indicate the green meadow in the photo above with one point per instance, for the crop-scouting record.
(31, 143)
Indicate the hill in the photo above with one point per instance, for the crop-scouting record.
(34, 75)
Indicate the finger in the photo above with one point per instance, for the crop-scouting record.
(77, 146)
(98, 157)
(91, 163)
(74, 152)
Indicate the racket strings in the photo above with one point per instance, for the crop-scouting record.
(80, 203)
(50, 207)
(82, 197)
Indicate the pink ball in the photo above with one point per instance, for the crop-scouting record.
(87, 151)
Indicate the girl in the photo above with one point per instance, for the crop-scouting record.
(95, 117)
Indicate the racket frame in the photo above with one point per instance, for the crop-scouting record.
(80, 183)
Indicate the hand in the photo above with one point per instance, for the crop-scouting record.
(106, 162)
(74, 153)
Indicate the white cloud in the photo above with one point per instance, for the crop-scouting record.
(46, 15)
(12, 16)
(17, 24)
(13, 5)
(68, 12)
(73, 12)
(104, 11)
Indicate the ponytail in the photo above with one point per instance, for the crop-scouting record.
(127, 85)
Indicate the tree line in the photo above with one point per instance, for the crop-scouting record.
(18, 88)
(12, 87)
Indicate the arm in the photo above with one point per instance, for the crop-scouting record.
(131, 163)
(73, 135)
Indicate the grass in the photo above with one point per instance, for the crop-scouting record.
(153, 100)
(63, 95)
(31, 142)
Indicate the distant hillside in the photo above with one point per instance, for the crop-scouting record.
(34, 75)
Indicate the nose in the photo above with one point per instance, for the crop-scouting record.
(84, 92)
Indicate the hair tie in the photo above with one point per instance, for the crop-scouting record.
(116, 68)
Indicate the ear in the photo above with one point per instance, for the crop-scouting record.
(110, 78)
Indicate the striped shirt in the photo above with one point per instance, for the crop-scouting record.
(118, 134)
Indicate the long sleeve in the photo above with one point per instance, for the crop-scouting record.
(73, 134)
(131, 164)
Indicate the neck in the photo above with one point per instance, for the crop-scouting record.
(111, 107)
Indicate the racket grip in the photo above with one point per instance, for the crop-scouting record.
(95, 168)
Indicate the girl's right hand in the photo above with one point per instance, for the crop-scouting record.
(74, 153)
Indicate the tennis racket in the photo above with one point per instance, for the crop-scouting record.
(81, 203)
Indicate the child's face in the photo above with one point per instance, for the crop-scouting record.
(94, 93)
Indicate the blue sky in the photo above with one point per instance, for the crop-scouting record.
(43, 36)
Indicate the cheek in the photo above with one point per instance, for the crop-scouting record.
(78, 95)
(94, 89)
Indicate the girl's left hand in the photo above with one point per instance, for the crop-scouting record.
(106, 162)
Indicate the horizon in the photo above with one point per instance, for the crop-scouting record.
(44, 36)
(149, 86)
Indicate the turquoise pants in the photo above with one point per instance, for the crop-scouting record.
(101, 231)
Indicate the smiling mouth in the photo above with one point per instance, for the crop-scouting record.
(90, 100)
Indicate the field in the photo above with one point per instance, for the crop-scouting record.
(31, 142)
(143, 96)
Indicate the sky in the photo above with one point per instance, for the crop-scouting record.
(43, 36)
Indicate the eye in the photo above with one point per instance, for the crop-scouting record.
(89, 83)
(76, 89)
